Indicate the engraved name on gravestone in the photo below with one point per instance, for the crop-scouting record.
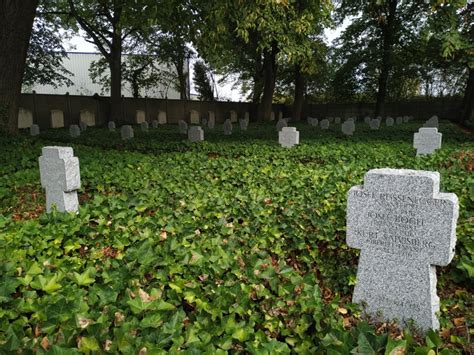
(404, 227)
(60, 177)
(288, 137)
(426, 140)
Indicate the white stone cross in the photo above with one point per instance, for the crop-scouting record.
(426, 140)
(404, 227)
(288, 137)
(60, 177)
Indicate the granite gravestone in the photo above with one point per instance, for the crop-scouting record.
(25, 118)
(87, 117)
(83, 126)
(389, 121)
(426, 140)
(57, 119)
(243, 123)
(374, 124)
(227, 127)
(432, 122)
(195, 134)
(144, 126)
(204, 122)
(126, 132)
(313, 121)
(280, 124)
(60, 177)
(111, 125)
(399, 120)
(194, 117)
(367, 119)
(140, 116)
(337, 120)
(324, 124)
(162, 117)
(34, 130)
(155, 123)
(233, 116)
(74, 131)
(288, 137)
(183, 127)
(348, 127)
(404, 227)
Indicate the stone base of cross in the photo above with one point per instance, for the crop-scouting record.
(404, 227)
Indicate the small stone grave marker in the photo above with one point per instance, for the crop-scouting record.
(162, 117)
(194, 117)
(111, 125)
(60, 177)
(324, 124)
(34, 130)
(57, 119)
(126, 132)
(433, 122)
(211, 120)
(233, 116)
(404, 227)
(25, 118)
(74, 131)
(280, 124)
(288, 137)
(243, 123)
(313, 121)
(426, 140)
(183, 127)
(367, 119)
(83, 126)
(337, 120)
(195, 134)
(399, 120)
(140, 116)
(87, 117)
(348, 127)
(374, 124)
(227, 127)
(144, 126)
(272, 116)
(155, 123)
(389, 121)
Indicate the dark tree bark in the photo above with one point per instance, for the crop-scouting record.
(257, 78)
(299, 94)
(182, 78)
(388, 29)
(16, 23)
(269, 71)
(115, 65)
(467, 109)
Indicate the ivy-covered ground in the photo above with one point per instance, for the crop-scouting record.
(230, 245)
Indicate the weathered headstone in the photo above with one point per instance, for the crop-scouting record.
(389, 121)
(111, 125)
(204, 122)
(313, 121)
(330, 119)
(227, 127)
(337, 120)
(247, 116)
(34, 130)
(162, 117)
(280, 124)
(432, 122)
(74, 131)
(183, 127)
(25, 118)
(87, 117)
(60, 177)
(427, 140)
(126, 132)
(233, 116)
(211, 120)
(57, 119)
(324, 124)
(194, 117)
(83, 126)
(144, 126)
(195, 134)
(406, 119)
(404, 227)
(348, 127)
(140, 116)
(288, 137)
(155, 123)
(243, 123)
(374, 124)
(367, 119)
(399, 120)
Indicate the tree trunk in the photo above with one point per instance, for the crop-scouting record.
(115, 65)
(388, 37)
(299, 94)
(467, 109)
(257, 78)
(269, 70)
(182, 77)
(16, 23)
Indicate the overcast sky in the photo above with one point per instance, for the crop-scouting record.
(226, 91)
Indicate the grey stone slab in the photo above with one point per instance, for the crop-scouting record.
(243, 123)
(25, 118)
(194, 117)
(155, 123)
(399, 120)
(126, 132)
(111, 125)
(433, 122)
(288, 137)
(375, 124)
(280, 124)
(83, 126)
(367, 119)
(87, 117)
(348, 127)
(195, 134)
(313, 121)
(227, 127)
(324, 124)
(60, 177)
(162, 119)
(34, 130)
(404, 227)
(183, 127)
(337, 120)
(140, 116)
(426, 140)
(233, 116)
(144, 126)
(389, 121)
(74, 131)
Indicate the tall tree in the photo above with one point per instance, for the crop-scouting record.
(108, 24)
(16, 22)
(202, 82)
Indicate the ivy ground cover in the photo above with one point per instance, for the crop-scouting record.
(229, 245)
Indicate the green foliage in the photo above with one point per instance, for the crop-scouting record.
(202, 82)
(229, 245)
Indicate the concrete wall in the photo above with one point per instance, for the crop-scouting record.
(41, 105)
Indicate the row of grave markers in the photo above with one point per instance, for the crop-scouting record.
(399, 220)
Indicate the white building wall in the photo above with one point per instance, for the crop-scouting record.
(79, 63)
